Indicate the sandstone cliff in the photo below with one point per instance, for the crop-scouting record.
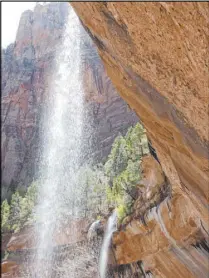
(27, 67)
(156, 54)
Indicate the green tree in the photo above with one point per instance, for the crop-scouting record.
(117, 159)
(123, 168)
(20, 211)
(5, 213)
(15, 211)
(28, 203)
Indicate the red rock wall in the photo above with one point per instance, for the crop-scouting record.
(156, 54)
(27, 67)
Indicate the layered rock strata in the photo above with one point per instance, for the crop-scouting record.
(156, 54)
(78, 255)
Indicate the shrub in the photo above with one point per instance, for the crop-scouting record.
(123, 168)
(14, 218)
(5, 213)
(20, 211)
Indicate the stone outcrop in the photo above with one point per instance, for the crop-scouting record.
(69, 251)
(27, 67)
(9, 269)
(156, 54)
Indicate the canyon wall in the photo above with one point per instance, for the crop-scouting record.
(27, 67)
(156, 55)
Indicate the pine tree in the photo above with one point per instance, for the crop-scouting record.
(5, 213)
(15, 211)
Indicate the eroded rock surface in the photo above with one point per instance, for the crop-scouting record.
(71, 253)
(156, 54)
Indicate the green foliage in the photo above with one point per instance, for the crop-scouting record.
(20, 210)
(14, 218)
(27, 204)
(98, 187)
(5, 212)
(92, 183)
(118, 158)
(123, 168)
(99, 217)
(121, 212)
(6, 255)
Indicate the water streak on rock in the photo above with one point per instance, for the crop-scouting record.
(183, 256)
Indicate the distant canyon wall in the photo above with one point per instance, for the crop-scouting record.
(27, 69)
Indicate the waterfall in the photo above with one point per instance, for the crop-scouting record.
(62, 148)
(111, 228)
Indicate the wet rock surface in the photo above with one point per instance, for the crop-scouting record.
(156, 56)
(70, 253)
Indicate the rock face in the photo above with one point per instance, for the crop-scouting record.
(156, 54)
(68, 251)
(27, 67)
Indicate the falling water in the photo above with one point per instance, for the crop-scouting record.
(62, 150)
(111, 228)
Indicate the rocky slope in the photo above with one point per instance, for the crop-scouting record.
(27, 67)
(156, 54)
(21, 248)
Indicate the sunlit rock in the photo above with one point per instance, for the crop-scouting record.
(155, 55)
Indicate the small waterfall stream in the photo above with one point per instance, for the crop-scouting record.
(111, 228)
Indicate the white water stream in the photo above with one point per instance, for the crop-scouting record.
(62, 147)
(111, 228)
